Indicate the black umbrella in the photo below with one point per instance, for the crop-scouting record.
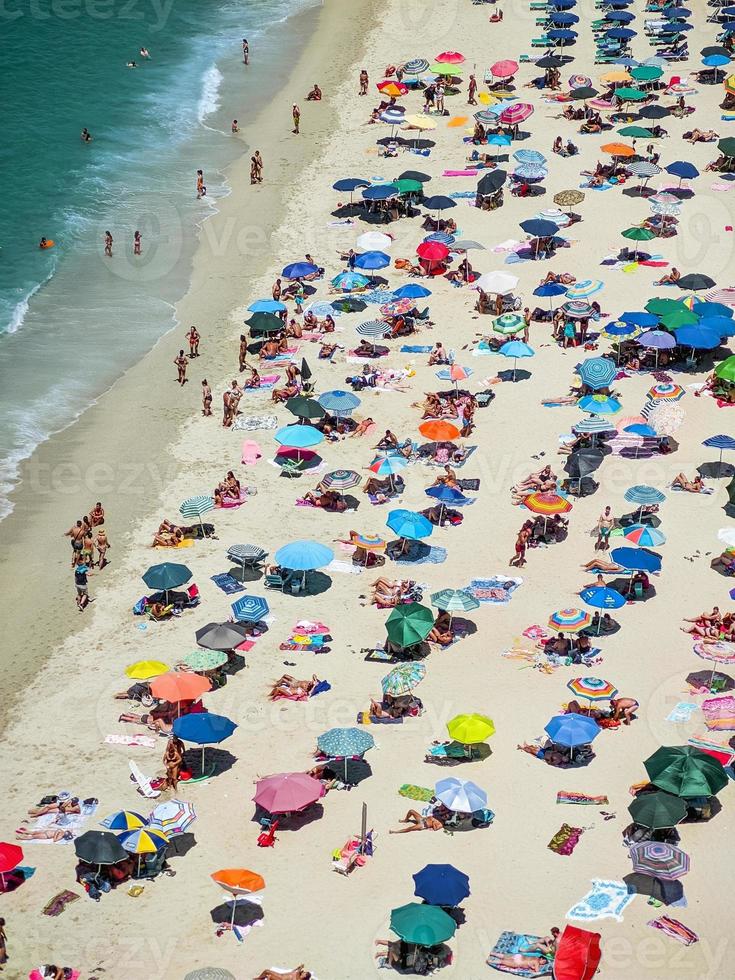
(549, 61)
(221, 636)
(414, 175)
(349, 304)
(305, 408)
(492, 182)
(695, 280)
(715, 49)
(585, 92)
(349, 771)
(653, 112)
(715, 681)
(583, 462)
(439, 202)
(238, 912)
(305, 370)
(99, 847)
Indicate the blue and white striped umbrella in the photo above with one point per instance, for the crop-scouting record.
(196, 507)
(392, 116)
(440, 236)
(250, 609)
(584, 288)
(416, 66)
(322, 308)
(642, 494)
(593, 425)
(529, 156)
(339, 402)
(530, 171)
(373, 328)
(597, 372)
(720, 442)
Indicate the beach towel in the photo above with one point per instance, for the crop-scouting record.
(58, 903)
(497, 589)
(365, 718)
(517, 944)
(719, 713)
(416, 349)
(535, 633)
(227, 583)
(70, 823)
(605, 900)
(681, 712)
(473, 484)
(460, 195)
(461, 173)
(184, 543)
(565, 839)
(245, 646)
(379, 655)
(344, 567)
(718, 750)
(677, 489)
(267, 381)
(675, 929)
(147, 741)
(433, 555)
(567, 796)
(419, 793)
(251, 423)
(251, 452)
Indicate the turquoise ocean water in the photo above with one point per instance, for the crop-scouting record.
(68, 327)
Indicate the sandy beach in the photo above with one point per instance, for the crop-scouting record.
(144, 448)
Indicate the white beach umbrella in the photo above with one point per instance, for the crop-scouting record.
(497, 282)
(374, 241)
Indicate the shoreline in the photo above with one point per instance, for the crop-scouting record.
(92, 457)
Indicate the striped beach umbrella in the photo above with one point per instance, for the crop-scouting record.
(585, 288)
(619, 328)
(507, 324)
(592, 688)
(645, 536)
(579, 81)
(341, 480)
(369, 542)
(403, 679)
(454, 600)
(124, 820)
(196, 507)
(577, 309)
(644, 495)
(593, 426)
(416, 66)
(199, 660)
(666, 392)
(373, 329)
(597, 372)
(720, 652)
(569, 620)
(516, 113)
(343, 742)
(659, 860)
(387, 465)
(339, 402)
(173, 817)
(547, 504)
(144, 840)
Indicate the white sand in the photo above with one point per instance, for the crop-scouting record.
(311, 914)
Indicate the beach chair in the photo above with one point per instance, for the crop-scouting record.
(267, 837)
(638, 590)
(542, 42)
(273, 580)
(291, 468)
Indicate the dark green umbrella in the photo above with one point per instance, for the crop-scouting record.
(685, 771)
(659, 307)
(657, 810)
(584, 92)
(409, 624)
(305, 408)
(167, 575)
(727, 146)
(265, 323)
(424, 925)
(636, 132)
(99, 847)
(679, 318)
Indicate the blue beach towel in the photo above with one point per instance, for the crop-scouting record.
(227, 583)
(416, 349)
(512, 943)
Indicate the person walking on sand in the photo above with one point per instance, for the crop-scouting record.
(472, 89)
(296, 114)
(243, 353)
(519, 558)
(201, 189)
(81, 585)
(136, 243)
(102, 544)
(245, 51)
(76, 533)
(259, 166)
(181, 365)
(193, 336)
(253, 171)
(526, 324)
(276, 290)
(364, 82)
(206, 398)
(605, 524)
(108, 244)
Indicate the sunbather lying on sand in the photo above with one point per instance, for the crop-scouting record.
(168, 535)
(390, 592)
(54, 834)
(68, 804)
(298, 973)
(602, 565)
(695, 485)
(416, 822)
(291, 687)
(441, 631)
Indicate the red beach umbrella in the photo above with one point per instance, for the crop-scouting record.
(505, 68)
(433, 251)
(516, 113)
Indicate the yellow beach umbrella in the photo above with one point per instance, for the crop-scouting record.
(617, 75)
(470, 729)
(457, 121)
(419, 122)
(143, 670)
(729, 84)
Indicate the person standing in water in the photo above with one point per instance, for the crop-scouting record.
(201, 189)
(181, 365)
(136, 243)
(235, 128)
(245, 51)
(296, 113)
(108, 244)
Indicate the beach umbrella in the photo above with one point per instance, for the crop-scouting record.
(409, 525)
(516, 113)
(679, 318)
(305, 408)
(470, 729)
(727, 146)
(460, 795)
(221, 636)
(572, 730)
(143, 670)
(657, 810)
(619, 328)
(203, 660)
(592, 688)
(599, 404)
(646, 73)
(508, 324)
(432, 251)
(391, 88)
(722, 443)
(416, 66)
(10, 857)
(550, 61)
(341, 480)
(529, 156)
(179, 686)
(409, 624)
(287, 792)
(497, 282)
(450, 58)
(695, 281)
(644, 495)
(98, 847)
(268, 305)
(644, 536)
(422, 925)
(372, 260)
(250, 609)
(387, 465)
(339, 402)
(516, 349)
(237, 912)
(380, 192)
(403, 679)
(347, 184)
(659, 859)
(539, 228)
(658, 339)
(685, 771)
(666, 392)
(723, 325)
(636, 559)
(505, 68)
(698, 338)
(441, 884)
(166, 576)
(597, 372)
(602, 597)
(725, 370)
(628, 94)
(636, 132)
(439, 203)
(584, 289)
(579, 81)
(398, 307)
(583, 462)
(446, 495)
(638, 234)
(682, 169)
(298, 270)
(576, 309)
(143, 840)
(530, 172)
(568, 199)
(374, 241)
(592, 426)
(547, 504)
(412, 290)
(639, 318)
(618, 149)
(368, 542)
(393, 115)
(124, 820)
(454, 600)
(304, 556)
(373, 329)
(569, 620)
(238, 881)
(299, 436)
(203, 729)
(491, 182)
(339, 743)
(550, 289)
(265, 323)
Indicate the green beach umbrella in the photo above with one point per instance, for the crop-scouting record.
(659, 306)
(646, 73)
(631, 94)
(264, 322)
(685, 771)
(657, 810)
(508, 323)
(454, 600)
(204, 659)
(424, 925)
(305, 408)
(679, 318)
(726, 370)
(636, 132)
(409, 624)
(406, 186)
(727, 146)
(196, 507)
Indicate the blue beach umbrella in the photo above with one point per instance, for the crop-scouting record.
(636, 559)
(441, 884)
(619, 328)
(640, 318)
(722, 325)
(350, 184)
(715, 61)
(297, 270)
(530, 156)
(682, 169)
(372, 260)
(166, 576)
(347, 281)
(267, 306)
(498, 139)
(599, 405)
(593, 425)
(339, 402)
(516, 349)
(203, 729)
(304, 556)
(639, 429)
(572, 730)
(562, 35)
(698, 339)
(447, 495)
(705, 309)
(602, 597)
(394, 115)
(621, 33)
(619, 16)
(539, 227)
(342, 743)
(597, 372)
(299, 436)
(644, 495)
(531, 172)
(388, 465)
(250, 609)
(409, 525)
(562, 19)
(412, 290)
(380, 192)
(550, 289)
(721, 442)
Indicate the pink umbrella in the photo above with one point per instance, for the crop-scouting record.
(287, 792)
(458, 373)
(504, 69)
(450, 58)
(516, 113)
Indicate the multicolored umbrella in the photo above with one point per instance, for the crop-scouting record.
(174, 817)
(144, 840)
(592, 688)
(398, 307)
(124, 820)
(547, 504)
(470, 729)
(645, 536)
(569, 620)
(666, 392)
(341, 480)
(340, 743)
(516, 113)
(202, 660)
(658, 859)
(369, 542)
(387, 465)
(585, 288)
(403, 679)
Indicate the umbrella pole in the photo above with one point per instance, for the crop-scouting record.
(202, 760)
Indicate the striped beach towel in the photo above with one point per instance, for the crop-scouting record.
(565, 796)
(675, 929)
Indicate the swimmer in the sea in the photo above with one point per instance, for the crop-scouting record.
(132, 64)
(86, 136)
(136, 243)
(144, 53)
